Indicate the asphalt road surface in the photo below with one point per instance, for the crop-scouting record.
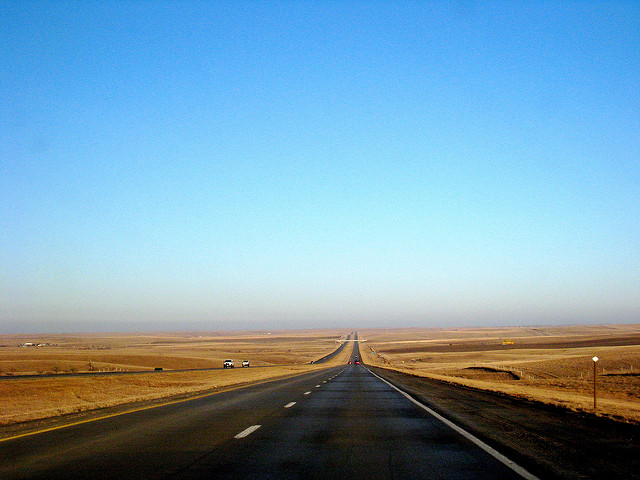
(338, 422)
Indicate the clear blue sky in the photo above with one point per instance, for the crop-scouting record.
(190, 165)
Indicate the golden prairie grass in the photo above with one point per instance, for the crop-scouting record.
(271, 356)
(173, 351)
(547, 364)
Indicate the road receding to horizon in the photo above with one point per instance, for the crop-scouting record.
(336, 421)
(329, 423)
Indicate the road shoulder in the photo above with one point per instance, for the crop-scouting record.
(550, 442)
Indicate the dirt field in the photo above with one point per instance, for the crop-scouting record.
(134, 352)
(58, 387)
(548, 364)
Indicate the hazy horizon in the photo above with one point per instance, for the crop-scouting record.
(173, 329)
(263, 165)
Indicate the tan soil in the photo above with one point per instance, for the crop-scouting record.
(25, 399)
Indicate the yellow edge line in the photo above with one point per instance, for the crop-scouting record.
(196, 397)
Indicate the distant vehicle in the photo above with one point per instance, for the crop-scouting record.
(245, 363)
(227, 364)
(349, 362)
(357, 362)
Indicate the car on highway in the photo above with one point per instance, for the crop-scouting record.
(357, 362)
(227, 364)
(245, 363)
(349, 362)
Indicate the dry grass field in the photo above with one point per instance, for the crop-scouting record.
(186, 361)
(547, 364)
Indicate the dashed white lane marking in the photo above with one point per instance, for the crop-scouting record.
(290, 404)
(307, 393)
(247, 431)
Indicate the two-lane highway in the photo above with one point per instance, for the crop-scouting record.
(341, 421)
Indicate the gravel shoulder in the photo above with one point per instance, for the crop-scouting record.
(550, 442)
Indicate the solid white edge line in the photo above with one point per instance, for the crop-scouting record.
(290, 404)
(247, 431)
(491, 451)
